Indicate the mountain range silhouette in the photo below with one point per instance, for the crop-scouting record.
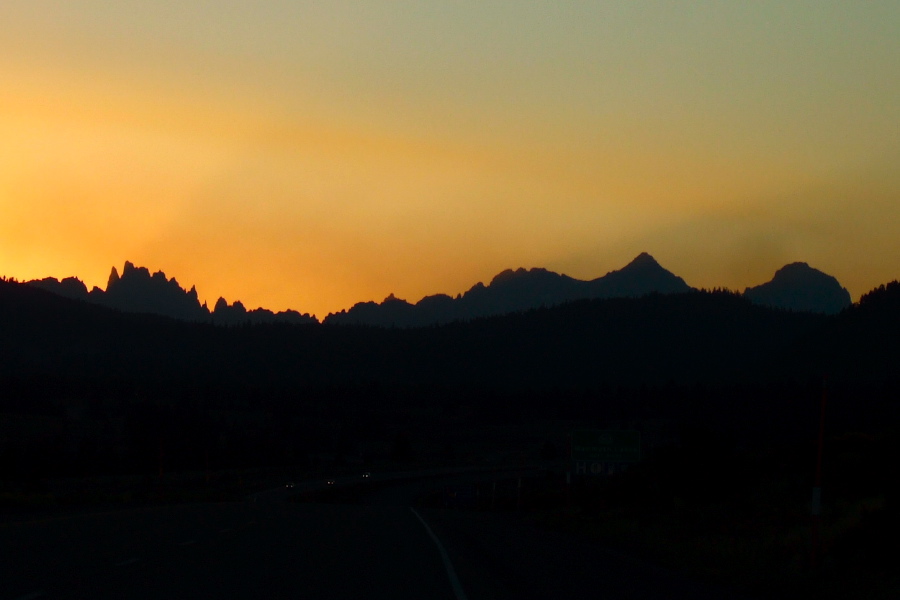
(137, 291)
(796, 287)
(111, 386)
(512, 291)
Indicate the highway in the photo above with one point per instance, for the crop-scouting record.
(378, 546)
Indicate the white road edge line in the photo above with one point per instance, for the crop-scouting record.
(451, 573)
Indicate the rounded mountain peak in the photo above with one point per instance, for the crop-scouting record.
(797, 270)
(510, 275)
(797, 286)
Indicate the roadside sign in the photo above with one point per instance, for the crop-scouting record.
(606, 446)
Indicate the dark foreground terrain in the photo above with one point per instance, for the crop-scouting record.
(304, 542)
(472, 532)
(132, 448)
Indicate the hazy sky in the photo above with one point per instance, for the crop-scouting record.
(311, 155)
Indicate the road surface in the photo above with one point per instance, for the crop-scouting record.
(266, 547)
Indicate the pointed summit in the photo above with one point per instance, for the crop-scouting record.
(640, 277)
(643, 261)
(113, 278)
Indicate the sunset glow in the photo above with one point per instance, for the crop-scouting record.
(312, 155)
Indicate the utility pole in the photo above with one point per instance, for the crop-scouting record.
(816, 505)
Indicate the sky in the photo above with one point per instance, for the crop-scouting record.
(311, 155)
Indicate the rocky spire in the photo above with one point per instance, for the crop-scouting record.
(113, 278)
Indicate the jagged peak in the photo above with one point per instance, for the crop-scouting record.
(130, 271)
(392, 298)
(113, 277)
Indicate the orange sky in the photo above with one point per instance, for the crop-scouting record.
(296, 155)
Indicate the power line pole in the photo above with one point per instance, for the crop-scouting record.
(816, 504)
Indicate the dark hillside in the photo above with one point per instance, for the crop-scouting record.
(698, 337)
(862, 343)
(91, 389)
